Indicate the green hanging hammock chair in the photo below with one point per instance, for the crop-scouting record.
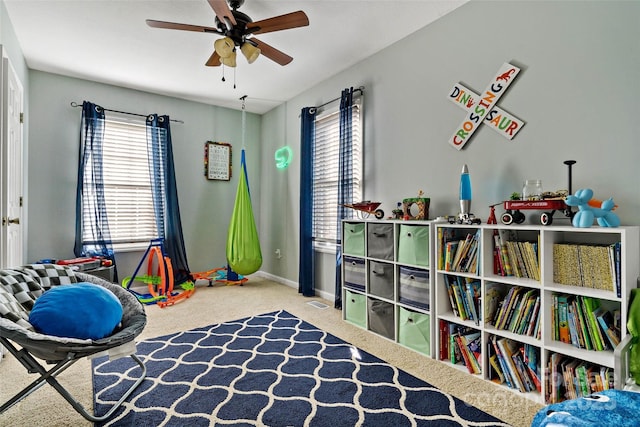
(243, 245)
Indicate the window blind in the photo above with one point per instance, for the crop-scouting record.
(127, 186)
(325, 172)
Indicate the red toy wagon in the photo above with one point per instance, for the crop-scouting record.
(549, 205)
(513, 208)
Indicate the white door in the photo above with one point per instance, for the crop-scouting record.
(12, 250)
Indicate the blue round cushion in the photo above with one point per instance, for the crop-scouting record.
(80, 310)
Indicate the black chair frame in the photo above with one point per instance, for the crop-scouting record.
(28, 347)
(49, 376)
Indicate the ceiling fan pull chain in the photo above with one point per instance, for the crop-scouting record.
(223, 73)
(234, 78)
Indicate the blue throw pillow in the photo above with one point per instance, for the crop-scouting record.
(80, 310)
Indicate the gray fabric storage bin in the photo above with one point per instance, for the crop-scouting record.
(414, 287)
(381, 279)
(353, 238)
(354, 273)
(381, 318)
(380, 241)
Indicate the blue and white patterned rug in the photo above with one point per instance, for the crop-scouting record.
(271, 370)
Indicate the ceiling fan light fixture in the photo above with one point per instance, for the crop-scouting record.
(250, 52)
(234, 26)
(224, 47)
(229, 61)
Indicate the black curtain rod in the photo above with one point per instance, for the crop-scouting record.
(360, 89)
(75, 104)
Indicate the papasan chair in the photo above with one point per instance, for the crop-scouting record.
(19, 289)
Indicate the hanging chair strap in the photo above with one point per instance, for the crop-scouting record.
(243, 165)
(243, 246)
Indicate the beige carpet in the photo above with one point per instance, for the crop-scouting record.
(217, 304)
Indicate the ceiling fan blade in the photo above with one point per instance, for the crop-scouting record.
(271, 52)
(221, 8)
(177, 26)
(214, 60)
(277, 23)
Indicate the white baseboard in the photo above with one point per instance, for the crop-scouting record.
(322, 294)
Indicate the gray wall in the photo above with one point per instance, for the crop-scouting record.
(205, 206)
(577, 93)
(12, 47)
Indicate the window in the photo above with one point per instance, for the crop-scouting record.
(325, 170)
(127, 186)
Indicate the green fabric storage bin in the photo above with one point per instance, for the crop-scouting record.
(413, 245)
(353, 238)
(355, 309)
(414, 330)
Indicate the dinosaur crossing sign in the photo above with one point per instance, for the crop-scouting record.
(481, 108)
(499, 120)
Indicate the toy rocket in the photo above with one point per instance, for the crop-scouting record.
(465, 192)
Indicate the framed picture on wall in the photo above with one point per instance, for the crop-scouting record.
(217, 161)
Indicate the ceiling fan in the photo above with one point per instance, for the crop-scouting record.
(237, 29)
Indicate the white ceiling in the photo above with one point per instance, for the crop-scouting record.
(108, 41)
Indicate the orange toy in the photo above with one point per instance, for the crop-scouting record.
(221, 276)
(160, 284)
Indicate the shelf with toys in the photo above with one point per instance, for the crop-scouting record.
(538, 309)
